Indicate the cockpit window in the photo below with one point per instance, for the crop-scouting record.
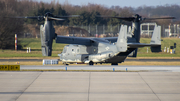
(65, 49)
(77, 50)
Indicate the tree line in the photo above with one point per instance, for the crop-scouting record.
(88, 13)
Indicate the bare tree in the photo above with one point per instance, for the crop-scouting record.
(9, 26)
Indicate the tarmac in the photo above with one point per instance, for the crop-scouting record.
(89, 86)
(129, 68)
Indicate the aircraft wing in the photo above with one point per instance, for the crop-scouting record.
(114, 39)
(88, 41)
(73, 40)
(78, 40)
(111, 39)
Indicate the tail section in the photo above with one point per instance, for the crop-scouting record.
(122, 39)
(133, 53)
(156, 39)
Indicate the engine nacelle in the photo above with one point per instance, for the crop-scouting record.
(47, 33)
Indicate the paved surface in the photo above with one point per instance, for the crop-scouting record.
(144, 60)
(89, 86)
(103, 67)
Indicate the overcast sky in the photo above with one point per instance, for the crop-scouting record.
(122, 3)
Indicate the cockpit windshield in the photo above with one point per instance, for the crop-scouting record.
(65, 49)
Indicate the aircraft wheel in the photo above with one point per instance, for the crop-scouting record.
(65, 64)
(91, 63)
(114, 63)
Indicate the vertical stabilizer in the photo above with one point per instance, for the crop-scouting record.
(156, 37)
(122, 39)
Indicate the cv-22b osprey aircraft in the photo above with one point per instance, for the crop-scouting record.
(112, 50)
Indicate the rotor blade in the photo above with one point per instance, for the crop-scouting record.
(121, 18)
(133, 18)
(53, 18)
(125, 18)
(28, 17)
(32, 17)
(159, 18)
(66, 16)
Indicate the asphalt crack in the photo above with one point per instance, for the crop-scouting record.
(28, 86)
(89, 85)
(150, 87)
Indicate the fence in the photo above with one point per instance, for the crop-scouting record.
(106, 31)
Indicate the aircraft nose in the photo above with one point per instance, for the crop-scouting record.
(60, 55)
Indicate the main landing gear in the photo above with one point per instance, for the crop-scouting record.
(91, 63)
(114, 64)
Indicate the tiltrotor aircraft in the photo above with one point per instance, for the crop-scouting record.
(112, 50)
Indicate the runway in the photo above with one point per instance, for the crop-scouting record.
(89, 86)
(103, 67)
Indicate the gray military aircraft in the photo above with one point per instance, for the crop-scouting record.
(112, 50)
